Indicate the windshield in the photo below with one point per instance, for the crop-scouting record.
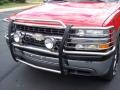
(91, 0)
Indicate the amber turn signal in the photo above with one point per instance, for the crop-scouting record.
(104, 46)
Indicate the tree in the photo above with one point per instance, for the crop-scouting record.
(19, 1)
(6, 1)
(3, 1)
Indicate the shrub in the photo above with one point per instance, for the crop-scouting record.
(19, 1)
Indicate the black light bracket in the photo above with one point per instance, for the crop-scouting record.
(10, 28)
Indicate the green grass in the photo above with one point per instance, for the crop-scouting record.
(9, 5)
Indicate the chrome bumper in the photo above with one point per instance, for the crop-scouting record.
(66, 52)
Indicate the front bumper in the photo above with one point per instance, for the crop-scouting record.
(89, 65)
(79, 67)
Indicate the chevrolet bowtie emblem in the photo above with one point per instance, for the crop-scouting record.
(38, 37)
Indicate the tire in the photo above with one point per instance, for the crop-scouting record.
(113, 68)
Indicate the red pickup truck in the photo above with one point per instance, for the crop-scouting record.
(68, 37)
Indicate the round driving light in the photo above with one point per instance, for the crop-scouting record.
(17, 37)
(49, 43)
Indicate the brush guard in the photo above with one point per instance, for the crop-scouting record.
(63, 62)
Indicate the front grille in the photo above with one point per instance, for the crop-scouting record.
(29, 40)
(42, 30)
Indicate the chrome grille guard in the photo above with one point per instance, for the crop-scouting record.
(61, 51)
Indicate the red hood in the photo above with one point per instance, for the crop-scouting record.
(77, 14)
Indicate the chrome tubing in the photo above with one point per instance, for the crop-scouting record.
(90, 53)
(35, 49)
(64, 51)
(63, 26)
(38, 67)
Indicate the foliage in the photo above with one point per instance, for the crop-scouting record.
(6, 1)
(3, 1)
(19, 1)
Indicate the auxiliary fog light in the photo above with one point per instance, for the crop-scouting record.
(17, 37)
(49, 43)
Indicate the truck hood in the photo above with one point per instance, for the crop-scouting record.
(70, 13)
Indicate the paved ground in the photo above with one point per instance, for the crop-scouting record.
(16, 76)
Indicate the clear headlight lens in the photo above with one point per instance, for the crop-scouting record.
(86, 46)
(92, 33)
(91, 39)
(95, 32)
(91, 46)
(80, 33)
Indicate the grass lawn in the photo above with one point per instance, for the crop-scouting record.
(9, 5)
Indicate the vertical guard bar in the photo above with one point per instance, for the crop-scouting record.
(65, 36)
(10, 28)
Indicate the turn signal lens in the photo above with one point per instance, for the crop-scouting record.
(104, 46)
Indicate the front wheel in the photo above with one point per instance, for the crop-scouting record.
(113, 69)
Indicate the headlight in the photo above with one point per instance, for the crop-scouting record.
(86, 46)
(49, 43)
(80, 32)
(92, 33)
(90, 39)
(17, 37)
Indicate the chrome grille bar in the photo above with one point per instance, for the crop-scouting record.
(40, 20)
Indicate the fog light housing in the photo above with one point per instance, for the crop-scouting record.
(17, 37)
(49, 43)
